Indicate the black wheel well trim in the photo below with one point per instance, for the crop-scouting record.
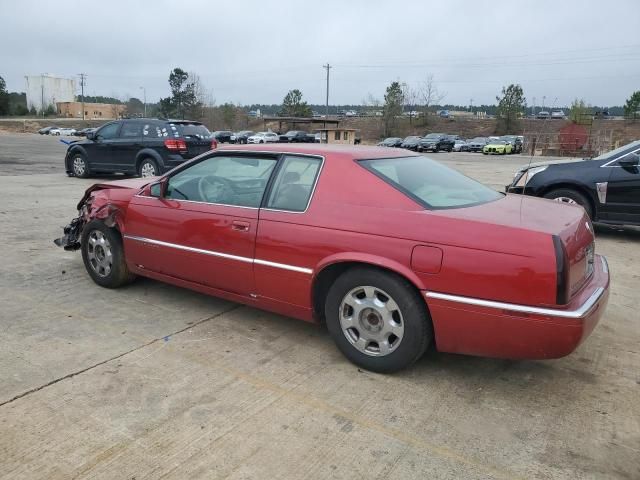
(72, 151)
(149, 153)
(329, 274)
(572, 186)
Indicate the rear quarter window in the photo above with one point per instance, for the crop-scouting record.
(430, 183)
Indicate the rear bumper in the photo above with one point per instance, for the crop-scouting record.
(502, 330)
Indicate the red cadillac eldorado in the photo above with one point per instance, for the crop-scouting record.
(394, 251)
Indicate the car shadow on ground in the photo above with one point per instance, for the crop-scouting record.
(617, 232)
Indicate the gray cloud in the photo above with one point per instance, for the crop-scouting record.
(254, 51)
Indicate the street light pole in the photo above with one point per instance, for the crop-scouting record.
(144, 92)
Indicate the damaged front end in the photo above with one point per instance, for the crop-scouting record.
(88, 209)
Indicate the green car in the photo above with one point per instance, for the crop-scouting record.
(498, 147)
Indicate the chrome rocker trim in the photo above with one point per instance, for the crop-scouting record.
(267, 263)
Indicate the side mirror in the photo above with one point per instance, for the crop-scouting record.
(158, 189)
(631, 160)
(91, 135)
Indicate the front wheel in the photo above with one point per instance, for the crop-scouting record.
(377, 319)
(570, 197)
(79, 166)
(103, 255)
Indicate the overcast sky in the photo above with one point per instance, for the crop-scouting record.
(255, 51)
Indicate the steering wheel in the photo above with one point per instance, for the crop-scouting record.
(215, 189)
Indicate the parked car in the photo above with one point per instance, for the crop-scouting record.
(418, 255)
(140, 146)
(607, 186)
(460, 146)
(435, 142)
(62, 131)
(515, 141)
(241, 137)
(558, 114)
(497, 147)
(411, 143)
(297, 136)
(83, 131)
(222, 136)
(46, 130)
(543, 115)
(263, 137)
(391, 142)
(477, 144)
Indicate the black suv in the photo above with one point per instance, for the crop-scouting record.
(607, 187)
(297, 136)
(436, 142)
(140, 146)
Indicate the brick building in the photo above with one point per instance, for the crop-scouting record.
(92, 111)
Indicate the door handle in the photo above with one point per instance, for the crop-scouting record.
(240, 226)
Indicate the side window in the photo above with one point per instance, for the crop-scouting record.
(131, 130)
(239, 181)
(156, 130)
(294, 184)
(108, 132)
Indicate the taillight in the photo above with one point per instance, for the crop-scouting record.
(175, 145)
(214, 144)
(562, 272)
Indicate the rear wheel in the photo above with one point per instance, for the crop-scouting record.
(79, 166)
(571, 197)
(103, 255)
(148, 168)
(377, 319)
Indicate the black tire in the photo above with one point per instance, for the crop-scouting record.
(415, 319)
(449, 150)
(148, 165)
(94, 251)
(574, 195)
(78, 165)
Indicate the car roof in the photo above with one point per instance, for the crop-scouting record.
(352, 151)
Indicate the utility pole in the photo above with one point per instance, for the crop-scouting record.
(82, 77)
(326, 108)
(471, 105)
(42, 95)
(144, 92)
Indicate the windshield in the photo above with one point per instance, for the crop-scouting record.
(411, 139)
(291, 133)
(432, 136)
(430, 183)
(614, 153)
(479, 139)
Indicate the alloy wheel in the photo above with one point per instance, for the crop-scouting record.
(567, 200)
(99, 253)
(79, 166)
(147, 170)
(371, 321)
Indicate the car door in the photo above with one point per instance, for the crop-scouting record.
(101, 152)
(125, 147)
(282, 271)
(623, 192)
(203, 228)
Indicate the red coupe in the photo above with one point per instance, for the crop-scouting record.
(392, 250)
